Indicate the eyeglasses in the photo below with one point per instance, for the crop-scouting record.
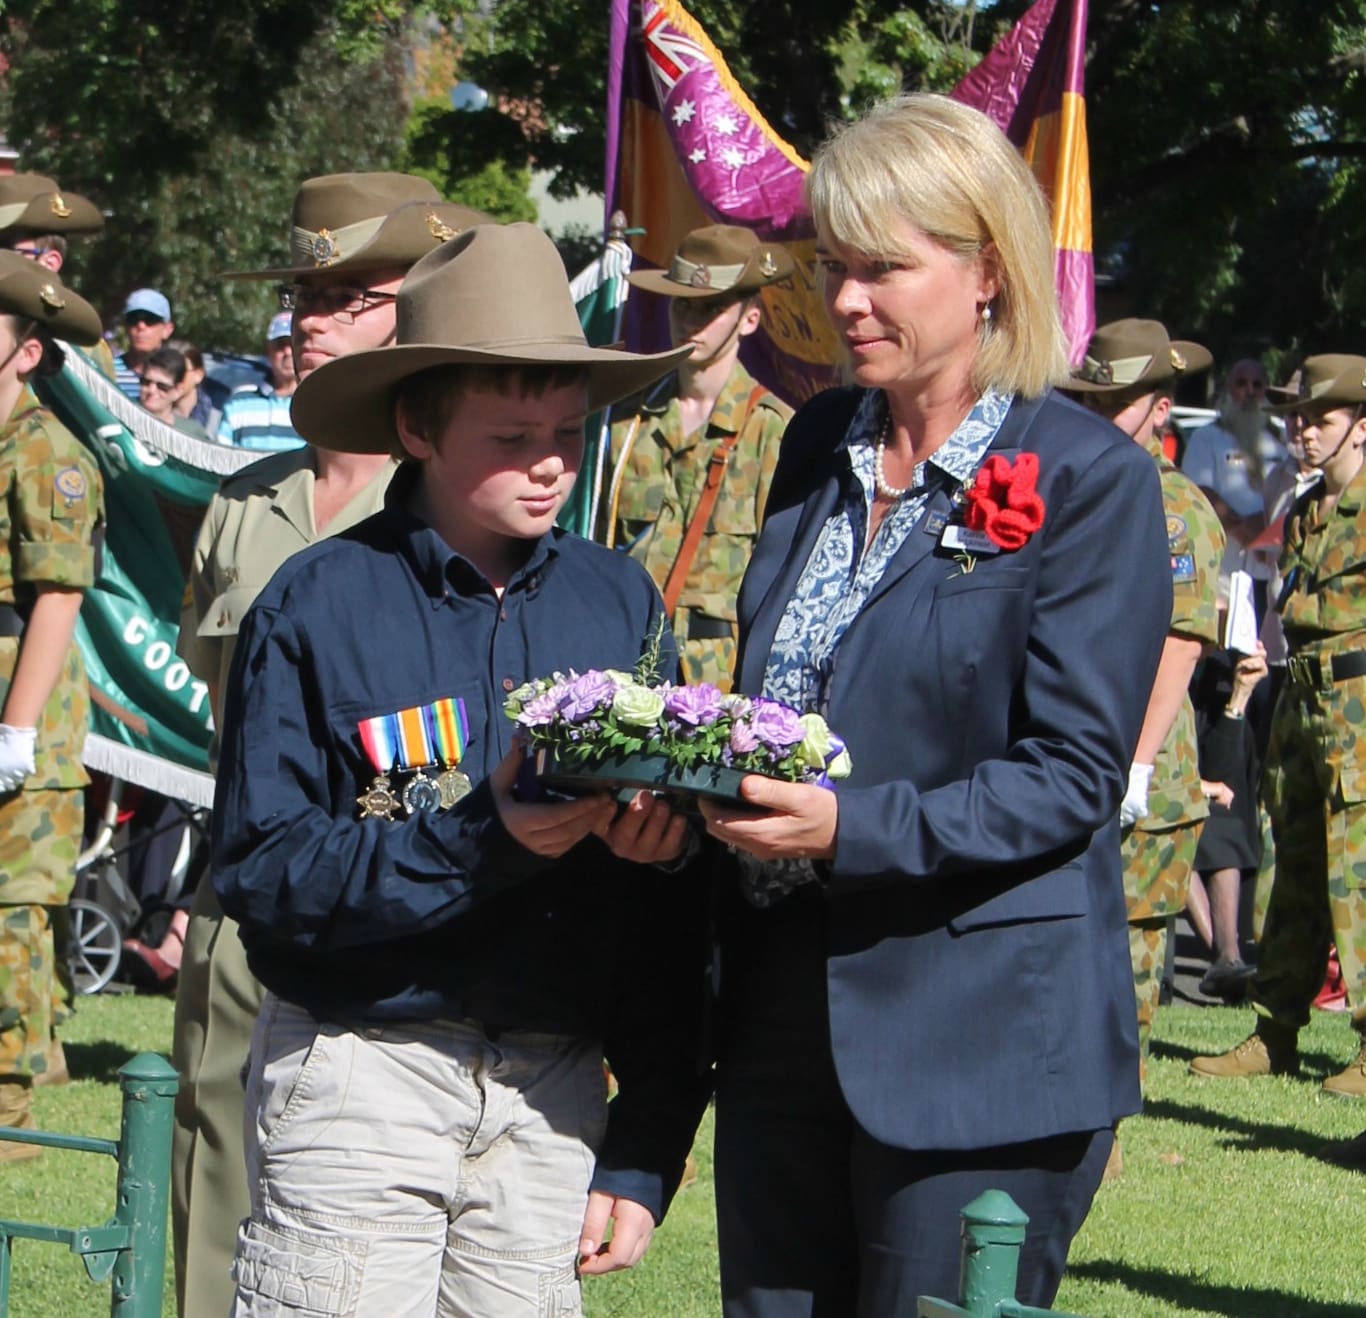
(33, 253)
(339, 303)
(161, 386)
(142, 318)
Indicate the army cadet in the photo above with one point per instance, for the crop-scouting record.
(693, 458)
(49, 518)
(1127, 375)
(37, 217)
(1315, 782)
(353, 237)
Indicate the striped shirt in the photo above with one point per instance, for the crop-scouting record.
(256, 417)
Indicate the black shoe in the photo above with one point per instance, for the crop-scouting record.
(1227, 979)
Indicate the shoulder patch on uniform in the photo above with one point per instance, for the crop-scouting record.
(1176, 528)
(70, 483)
(1183, 568)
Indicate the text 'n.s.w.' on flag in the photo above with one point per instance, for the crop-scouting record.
(1031, 85)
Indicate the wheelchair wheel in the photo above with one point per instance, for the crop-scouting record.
(96, 946)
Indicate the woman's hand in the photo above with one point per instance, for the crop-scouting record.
(799, 821)
(1217, 793)
(645, 831)
(549, 828)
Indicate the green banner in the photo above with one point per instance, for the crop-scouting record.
(150, 721)
(600, 294)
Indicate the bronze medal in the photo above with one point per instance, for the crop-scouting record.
(453, 785)
(378, 800)
(421, 793)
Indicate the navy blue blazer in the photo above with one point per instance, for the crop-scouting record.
(978, 964)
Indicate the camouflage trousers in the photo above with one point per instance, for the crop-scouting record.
(1157, 871)
(1315, 789)
(26, 989)
(40, 839)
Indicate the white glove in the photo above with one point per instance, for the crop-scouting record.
(1135, 803)
(16, 756)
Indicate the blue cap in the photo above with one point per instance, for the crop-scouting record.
(279, 326)
(148, 300)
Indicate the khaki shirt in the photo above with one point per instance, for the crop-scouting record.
(1195, 541)
(258, 518)
(661, 482)
(51, 502)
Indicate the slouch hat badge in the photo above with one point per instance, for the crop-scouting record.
(59, 207)
(324, 248)
(49, 297)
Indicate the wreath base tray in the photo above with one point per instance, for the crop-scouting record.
(627, 773)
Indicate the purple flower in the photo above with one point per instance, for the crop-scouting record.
(540, 711)
(777, 726)
(694, 705)
(587, 695)
(743, 739)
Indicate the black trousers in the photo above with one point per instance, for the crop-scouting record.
(815, 1218)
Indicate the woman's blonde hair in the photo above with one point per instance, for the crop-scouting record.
(950, 172)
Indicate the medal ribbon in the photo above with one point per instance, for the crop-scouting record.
(379, 737)
(448, 727)
(414, 742)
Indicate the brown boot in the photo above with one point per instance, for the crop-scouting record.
(56, 1073)
(16, 1109)
(1350, 1083)
(1270, 1051)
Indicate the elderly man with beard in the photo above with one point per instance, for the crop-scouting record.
(1229, 458)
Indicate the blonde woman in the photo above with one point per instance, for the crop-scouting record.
(926, 991)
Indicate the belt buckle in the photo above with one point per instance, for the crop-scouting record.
(1305, 669)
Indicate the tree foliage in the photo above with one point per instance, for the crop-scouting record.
(1226, 136)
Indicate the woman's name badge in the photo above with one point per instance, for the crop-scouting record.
(969, 541)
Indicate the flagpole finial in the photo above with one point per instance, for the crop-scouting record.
(616, 227)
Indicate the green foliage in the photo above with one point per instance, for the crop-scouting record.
(1226, 168)
(436, 147)
(195, 156)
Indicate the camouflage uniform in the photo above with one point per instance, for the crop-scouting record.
(1315, 786)
(663, 479)
(52, 503)
(1159, 851)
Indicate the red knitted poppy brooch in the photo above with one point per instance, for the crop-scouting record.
(1003, 502)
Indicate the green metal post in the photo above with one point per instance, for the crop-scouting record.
(149, 1085)
(993, 1234)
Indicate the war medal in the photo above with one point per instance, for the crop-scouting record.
(415, 753)
(422, 793)
(377, 736)
(378, 800)
(451, 735)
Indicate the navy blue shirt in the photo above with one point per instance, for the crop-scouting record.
(444, 915)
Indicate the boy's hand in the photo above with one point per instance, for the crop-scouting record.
(632, 1226)
(646, 831)
(547, 828)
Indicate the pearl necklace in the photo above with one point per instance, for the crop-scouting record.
(879, 480)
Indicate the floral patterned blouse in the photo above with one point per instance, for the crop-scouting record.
(840, 575)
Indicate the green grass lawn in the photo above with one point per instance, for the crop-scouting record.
(1224, 1207)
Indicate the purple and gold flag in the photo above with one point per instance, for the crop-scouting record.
(1031, 86)
(686, 147)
